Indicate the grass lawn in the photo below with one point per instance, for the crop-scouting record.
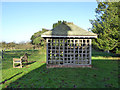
(105, 72)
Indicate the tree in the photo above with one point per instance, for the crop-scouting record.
(11, 45)
(106, 25)
(36, 38)
(3, 44)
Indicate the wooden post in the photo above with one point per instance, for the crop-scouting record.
(90, 50)
(47, 51)
(74, 49)
(21, 65)
(2, 54)
(78, 50)
(82, 52)
(55, 51)
(63, 51)
(85, 51)
(70, 52)
(51, 50)
(67, 51)
(59, 51)
(13, 65)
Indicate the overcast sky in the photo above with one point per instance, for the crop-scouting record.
(20, 20)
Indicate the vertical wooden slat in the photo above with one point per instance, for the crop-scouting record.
(74, 49)
(55, 51)
(90, 50)
(82, 52)
(70, 52)
(47, 51)
(85, 51)
(63, 51)
(51, 50)
(67, 50)
(78, 50)
(59, 51)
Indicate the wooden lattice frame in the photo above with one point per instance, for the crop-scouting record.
(68, 51)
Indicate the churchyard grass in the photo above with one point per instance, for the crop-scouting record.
(104, 73)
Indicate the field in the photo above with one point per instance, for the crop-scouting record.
(105, 72)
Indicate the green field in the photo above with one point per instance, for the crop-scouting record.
(105, 72)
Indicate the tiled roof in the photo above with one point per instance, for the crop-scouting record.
(68, 29)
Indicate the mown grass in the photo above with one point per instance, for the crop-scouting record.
(104, 73)
(8, 71)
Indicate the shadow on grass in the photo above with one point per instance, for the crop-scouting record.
(10, 78)
(96, 53)
(29, 62)
(100, 76)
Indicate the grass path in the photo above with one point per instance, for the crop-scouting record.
(105, 72)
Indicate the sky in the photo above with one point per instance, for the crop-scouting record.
(20, 20)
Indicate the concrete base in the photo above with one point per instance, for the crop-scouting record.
(67, 66)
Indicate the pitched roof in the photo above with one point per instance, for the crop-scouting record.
(68, 30)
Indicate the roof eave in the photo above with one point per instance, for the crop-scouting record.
(83, 36)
